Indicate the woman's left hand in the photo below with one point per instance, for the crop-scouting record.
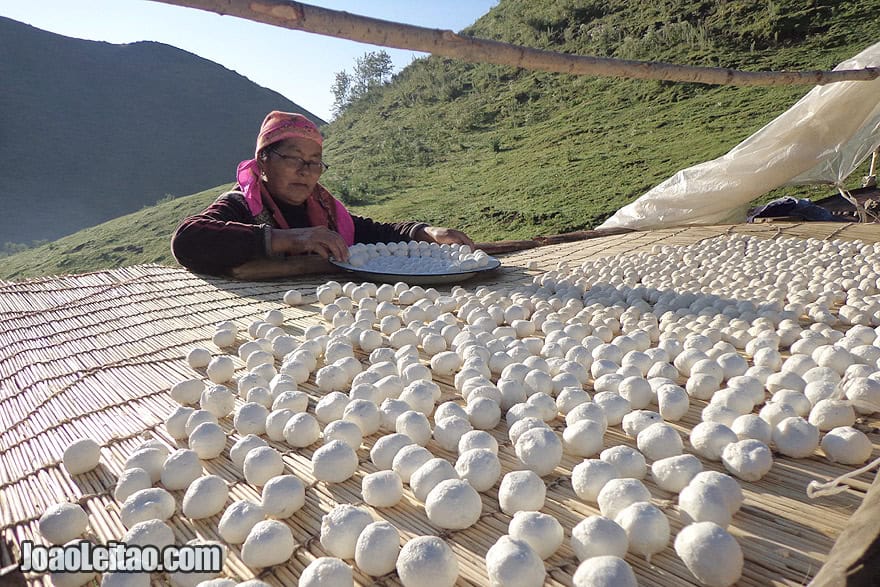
(446, 236)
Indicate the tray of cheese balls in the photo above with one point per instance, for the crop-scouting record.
(416, 262)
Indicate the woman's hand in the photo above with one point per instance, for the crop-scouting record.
(445, 236)
(318, 239)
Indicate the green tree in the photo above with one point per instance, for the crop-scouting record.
(370, 71)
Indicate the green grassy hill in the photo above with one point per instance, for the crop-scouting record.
(506, 153)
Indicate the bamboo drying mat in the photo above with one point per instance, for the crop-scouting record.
(94, 355)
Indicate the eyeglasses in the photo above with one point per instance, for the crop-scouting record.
(300, 163)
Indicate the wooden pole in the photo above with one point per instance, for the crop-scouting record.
(344, 25)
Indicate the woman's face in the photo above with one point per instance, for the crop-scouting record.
(292, 169)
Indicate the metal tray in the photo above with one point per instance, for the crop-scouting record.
(417, 278)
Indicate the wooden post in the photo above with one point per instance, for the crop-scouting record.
(334, 23)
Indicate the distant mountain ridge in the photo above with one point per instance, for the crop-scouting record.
(90, 130)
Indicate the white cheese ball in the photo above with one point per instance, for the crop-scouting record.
(847, 445)
(198, 417)
(673, 402)
(659, 441)
(795, 399)
(147, 504)
(604, 571)
(348, 432)
(628, 461)
(334, 462)
(453, 504)
(571, 397)
(732, 491)
(646, 527)
(269, 543)
(773, 413)
(386, 448)
(365, 414)
(129, 481)
(477, 439)
(637, 391)
(224, 338)
(293, 297)
(864, 393)
(294, 400)
(795, 437)
(832, 413)
(187, 392)
(327, 571)
(301, 430)
(260, 395)
(709, 439)
(382, 489)
(710, 553)
(377, 548)
(331, 407)
(176, 422)
(427, 560)
(238, 520)
(674, 473)
(427, 476)
(540, 450)
(276, 420)
(81, 456)
(205, 497)
(198, 357)
(638, 420)
(445, 363)
(614, 406)
(480, 467)
(448, 431)
(242, 447)
(218, 399)
(208, 440)
(752, 426)
(150, 459)
(262, 464)
(748, 459)
(221, 369)
(63, 522)
(341, 527)
(283, 496)
(596, 536)
(699, 502)
(620, 493)
(150, 533)
(181, 468)
(542, 532)
(408, 459)
(521, 491)
(583, 438)
(590, 476)
(512, 562)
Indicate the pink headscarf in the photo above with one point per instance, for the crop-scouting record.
(322, 209)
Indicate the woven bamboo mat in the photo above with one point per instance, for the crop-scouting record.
(94, 356)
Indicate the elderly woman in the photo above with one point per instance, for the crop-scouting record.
(278, 209)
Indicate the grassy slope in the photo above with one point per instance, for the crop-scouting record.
(509, 153)
(140, 237)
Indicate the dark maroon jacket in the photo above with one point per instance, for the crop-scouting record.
(226, 235)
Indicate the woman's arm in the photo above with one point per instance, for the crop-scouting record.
(220, 237)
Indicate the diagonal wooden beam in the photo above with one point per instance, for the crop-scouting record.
(344, 25)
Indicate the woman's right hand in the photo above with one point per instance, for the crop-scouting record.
(318, 239)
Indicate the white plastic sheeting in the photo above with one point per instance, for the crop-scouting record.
(823, 138)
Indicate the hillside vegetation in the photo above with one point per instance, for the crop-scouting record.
(505, 153)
